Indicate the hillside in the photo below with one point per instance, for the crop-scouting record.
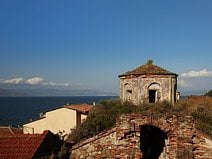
(196, 101)
(104, 116)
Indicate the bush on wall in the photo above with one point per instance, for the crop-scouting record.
(104, 115)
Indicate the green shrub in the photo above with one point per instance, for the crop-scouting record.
(101, 117)
(209, 93)
(104, 115)
(97, 120)
(203, 119)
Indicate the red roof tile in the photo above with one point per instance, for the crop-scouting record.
(10, 130)
(83, 108)
(20, 146)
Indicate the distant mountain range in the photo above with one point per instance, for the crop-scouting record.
(192, 92)
(43, 90)
(49, 91)
(4, 92)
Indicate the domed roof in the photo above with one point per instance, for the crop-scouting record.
(148, 69)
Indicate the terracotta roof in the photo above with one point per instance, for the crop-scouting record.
(148, 69)
(83, 108)
(21, 146)
(10, 130)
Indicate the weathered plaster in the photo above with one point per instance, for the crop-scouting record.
(140, 86)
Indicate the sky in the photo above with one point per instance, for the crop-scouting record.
(88, 43)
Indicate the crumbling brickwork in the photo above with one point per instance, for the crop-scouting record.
(181, 139)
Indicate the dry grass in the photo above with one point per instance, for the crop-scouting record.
(200, 107)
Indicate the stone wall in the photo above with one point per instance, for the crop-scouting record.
(202, 146)
(102, 145)
(135, 89)
(127, 139)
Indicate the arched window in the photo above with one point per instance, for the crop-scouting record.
(127, 92)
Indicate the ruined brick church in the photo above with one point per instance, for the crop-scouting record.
(148, 84)
(145, 136)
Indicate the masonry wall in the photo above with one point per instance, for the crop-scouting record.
(140, 86)
(123, 141)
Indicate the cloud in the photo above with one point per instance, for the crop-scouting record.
(35, 80)
(201, 73)
(56, 84)
(182, 83)
(13, 81)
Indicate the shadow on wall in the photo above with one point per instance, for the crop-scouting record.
(152, 141)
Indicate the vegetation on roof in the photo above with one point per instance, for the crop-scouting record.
(104, 115)
(150, 61)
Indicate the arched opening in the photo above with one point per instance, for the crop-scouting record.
(128, 92)
(154, 92)
(152, 141)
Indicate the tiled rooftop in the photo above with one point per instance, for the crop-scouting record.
(148, 69)
(10, 130)
(20, 146)
(83, 108)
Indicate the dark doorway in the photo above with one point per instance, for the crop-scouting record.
(152, 94)
(152, 141)
(175, 93)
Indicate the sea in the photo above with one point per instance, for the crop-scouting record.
(15, 111)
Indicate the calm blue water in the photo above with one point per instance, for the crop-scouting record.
(18, 110)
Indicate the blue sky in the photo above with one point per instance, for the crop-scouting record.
(89, 42)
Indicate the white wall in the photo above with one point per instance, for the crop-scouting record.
(59, 120)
